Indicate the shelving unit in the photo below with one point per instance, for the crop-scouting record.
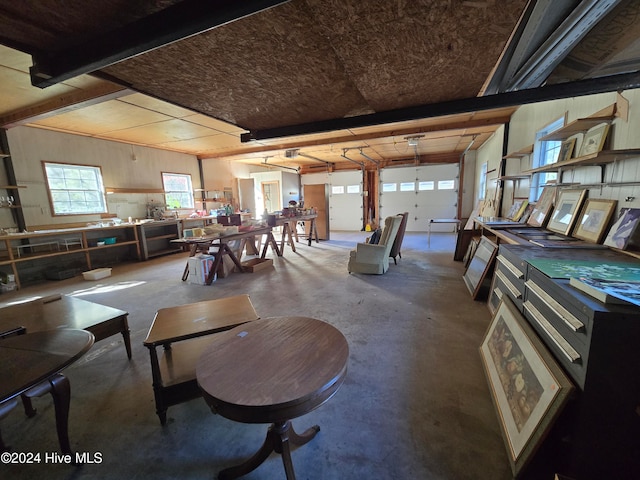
(86, 243)
(155, 238)
(11, 187)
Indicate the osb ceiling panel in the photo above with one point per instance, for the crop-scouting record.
(312, 60)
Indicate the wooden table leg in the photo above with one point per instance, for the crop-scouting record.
(271, 241)
(277, 440)
(193, 248)
(58, 386)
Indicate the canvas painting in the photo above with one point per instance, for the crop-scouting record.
(528, 387)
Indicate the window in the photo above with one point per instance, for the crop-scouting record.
(428, 185)
(178, 191)
(446, 184)
(407, 187)
(353, 188)
(337, 189)
(75, 189)
(544, 153)
(389, 187)
(483, 182)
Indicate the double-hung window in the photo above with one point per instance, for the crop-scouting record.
(75, 189)
(545, 152)
(178, 190)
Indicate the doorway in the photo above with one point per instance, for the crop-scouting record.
(271, 196)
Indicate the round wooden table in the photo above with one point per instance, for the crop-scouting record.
(31, 364)
(271, 371)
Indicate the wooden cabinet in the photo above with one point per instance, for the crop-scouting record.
(597, 346)
(155, 238)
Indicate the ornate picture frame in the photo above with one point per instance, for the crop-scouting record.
(594, 219)
(476, 275)
(527, 386)
(566, 211)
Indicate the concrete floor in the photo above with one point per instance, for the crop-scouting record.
(415, 404)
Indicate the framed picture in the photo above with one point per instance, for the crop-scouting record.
(480, 267)
(594, 219)
(565, 212)
(542, 207)
(624, 232)
(527, 386)
(594, 139)
(566, 149)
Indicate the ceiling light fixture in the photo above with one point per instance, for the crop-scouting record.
(413, 141)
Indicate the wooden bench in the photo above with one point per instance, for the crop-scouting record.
(182, 332)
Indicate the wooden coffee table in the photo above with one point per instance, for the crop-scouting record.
(270, 371)
(174, 372)
(62, 311)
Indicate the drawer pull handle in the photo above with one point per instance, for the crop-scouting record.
(511, 267)
(567, 350)
(570, 321)
(514, 291)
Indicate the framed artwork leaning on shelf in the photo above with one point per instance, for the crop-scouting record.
(594, 219)
(566, 211)
(594, 139)
(542, 207)
(624, 232)
(566, 149)
(528, 388)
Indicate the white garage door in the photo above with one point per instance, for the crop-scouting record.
(345, 198)
(425, 192)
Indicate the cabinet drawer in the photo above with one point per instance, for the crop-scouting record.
(502, 285)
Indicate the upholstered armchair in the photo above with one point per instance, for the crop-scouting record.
(397, 243)
(374, 258)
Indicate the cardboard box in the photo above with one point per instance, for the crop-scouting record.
(199, 267)
(257, 264)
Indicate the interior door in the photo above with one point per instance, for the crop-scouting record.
(317, 195)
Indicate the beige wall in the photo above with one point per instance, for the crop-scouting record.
(530, 118)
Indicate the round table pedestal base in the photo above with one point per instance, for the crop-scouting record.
(278, 437)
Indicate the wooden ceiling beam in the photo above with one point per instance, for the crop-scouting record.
(176, 22)
(64, 103)
(448, 125)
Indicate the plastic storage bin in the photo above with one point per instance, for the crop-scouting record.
(97, 274)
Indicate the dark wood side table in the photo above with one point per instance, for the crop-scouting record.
(62, 311)
(174, 373)
(270, 371)
(35, 360)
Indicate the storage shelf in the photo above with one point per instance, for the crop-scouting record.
(167, 251)
(523, 152)
(160, 237)
(593, 159)
(514, 177)
(12, 187)
(577, 126)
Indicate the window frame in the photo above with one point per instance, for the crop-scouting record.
(541, 157)
(100, 190)
(188, 192)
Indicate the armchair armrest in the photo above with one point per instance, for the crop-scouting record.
(368, 253)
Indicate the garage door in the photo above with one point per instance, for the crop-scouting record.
(425, 192)
(345, 198)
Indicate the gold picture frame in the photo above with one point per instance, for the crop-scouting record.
(566, 149)
(528, 388)
(565, 212)
(594, 139)
(594, 219)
